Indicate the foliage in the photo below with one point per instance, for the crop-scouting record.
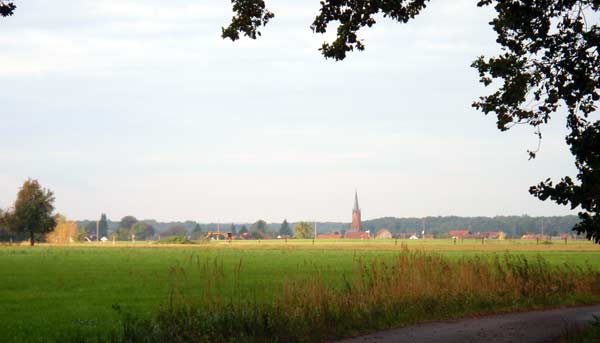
(81, 234)
(284, 230)
(260, 226)
(303, 230)
(590, 333)
(64, 232)
(7, 8)
(250, 15)
(243, 230)
(103, 226)
(233, 229)
(127, 222)
(551, 59)
(175, 240)
(197, 232)
(32, 211)
(123, 234)
(142, 231)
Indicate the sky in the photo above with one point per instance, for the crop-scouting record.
(138, 107)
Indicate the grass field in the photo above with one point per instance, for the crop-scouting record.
(49, 290)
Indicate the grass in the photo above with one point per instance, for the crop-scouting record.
(50, 291)
(590, 333)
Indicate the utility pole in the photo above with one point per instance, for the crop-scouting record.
(315, 229)
(218, 231)
(542, 228)
(97, 230)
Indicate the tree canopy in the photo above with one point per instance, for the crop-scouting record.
(142, 230)
(303, 230)
(259, 226)
(127, 222)
(32, 211)
(285, 230)
(103, 226)
(7, 8)
(64, 232)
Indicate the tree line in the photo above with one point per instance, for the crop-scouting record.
(32, 218)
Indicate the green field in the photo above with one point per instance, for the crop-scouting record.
(48, 290)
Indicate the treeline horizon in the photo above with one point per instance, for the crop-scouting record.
(437, 226)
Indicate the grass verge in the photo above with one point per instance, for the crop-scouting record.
(379, 294)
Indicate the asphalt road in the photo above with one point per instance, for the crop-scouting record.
(537, 326)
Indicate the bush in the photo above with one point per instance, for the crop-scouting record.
(175, 240)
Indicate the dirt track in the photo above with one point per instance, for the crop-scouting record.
(538, 326)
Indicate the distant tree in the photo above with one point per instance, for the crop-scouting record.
(4, 234)
(256, 235)
(127, 222)
(123, 234)
(64, 232)
(197, 231)
(142, 231)
(90, 229)
(176, 230)
(80, 235)
(32, 211)
(232, 229)
(243, 230)
(259, 226)
(285, 230)
(103, 226)
(303, 230)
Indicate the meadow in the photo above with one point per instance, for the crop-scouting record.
(51, 292)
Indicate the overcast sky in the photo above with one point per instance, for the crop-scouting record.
(139, 107)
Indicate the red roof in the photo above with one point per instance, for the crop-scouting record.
(459, 233)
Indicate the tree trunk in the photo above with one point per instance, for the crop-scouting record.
(31, 238)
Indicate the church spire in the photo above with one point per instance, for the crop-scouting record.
(356, 225)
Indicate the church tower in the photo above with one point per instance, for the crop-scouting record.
(356, 225)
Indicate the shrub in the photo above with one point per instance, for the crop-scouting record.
(175, 240)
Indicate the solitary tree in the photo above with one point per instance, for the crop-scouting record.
(197, 231)
(103, 226)
(32, 211)
(303, 230)
(284, 229)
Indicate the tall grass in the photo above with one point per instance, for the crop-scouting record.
(378, 294)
